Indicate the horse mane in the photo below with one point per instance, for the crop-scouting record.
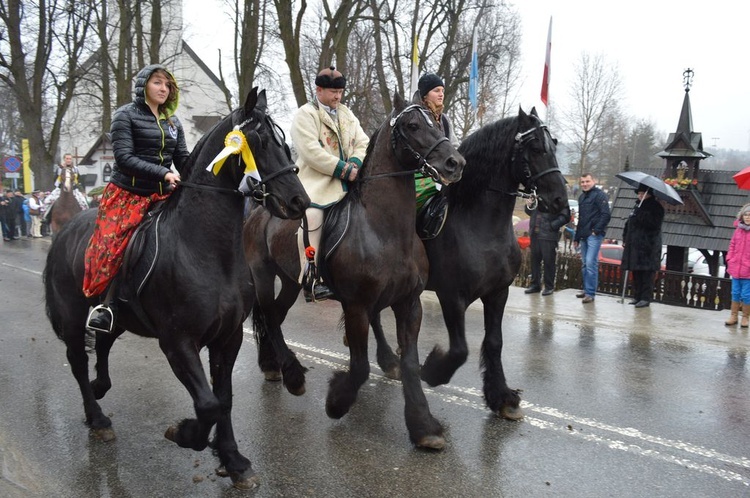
(488, 152)
(355, 188)
(188, 169)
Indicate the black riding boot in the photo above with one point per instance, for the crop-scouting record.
(102, 318)
(312, 288)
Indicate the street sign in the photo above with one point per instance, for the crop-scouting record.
(12, 164)
(12, 175)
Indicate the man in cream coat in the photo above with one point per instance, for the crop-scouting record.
(331, 146)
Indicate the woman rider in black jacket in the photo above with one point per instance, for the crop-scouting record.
(146, 139)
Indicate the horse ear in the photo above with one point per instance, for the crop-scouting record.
(533, 112)
(262, 100)
(398, 102)
(521, 114)
(415, 98)
(251, 100)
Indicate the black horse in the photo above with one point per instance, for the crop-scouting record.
(198, 291)
(377, 262)
(476, 255)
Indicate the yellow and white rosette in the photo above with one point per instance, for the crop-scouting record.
(235, 143)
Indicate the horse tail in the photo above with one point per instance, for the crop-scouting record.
(49, 299)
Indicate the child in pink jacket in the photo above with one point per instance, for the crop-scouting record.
(738, 266)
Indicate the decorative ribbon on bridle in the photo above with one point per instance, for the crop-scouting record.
(235, 143)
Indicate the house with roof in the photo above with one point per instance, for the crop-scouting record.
(711, 198)
(202, 103)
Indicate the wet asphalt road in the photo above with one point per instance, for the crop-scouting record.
(618, 402)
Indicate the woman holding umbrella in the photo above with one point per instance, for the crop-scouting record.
(642, 245)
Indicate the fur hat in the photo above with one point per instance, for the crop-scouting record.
(427, 82)
(330, 78)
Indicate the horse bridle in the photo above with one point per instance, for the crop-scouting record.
(424, 167)
(256, 189)
(522, 139)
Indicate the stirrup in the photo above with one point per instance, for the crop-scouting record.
(317, 292)
(97, 312)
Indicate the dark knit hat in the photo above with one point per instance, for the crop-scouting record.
(427, 82)
(330, 78)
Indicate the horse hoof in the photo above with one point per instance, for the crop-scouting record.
(297, 392)
(511, 412)
(245, 483)
(221, 471)
(107, 434)
(432, 443)
(171, 433)
(272, 375)
(393, 373)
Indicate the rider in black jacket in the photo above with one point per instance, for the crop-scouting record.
(146, 139)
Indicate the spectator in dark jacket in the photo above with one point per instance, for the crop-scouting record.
(545, 236)
(593, 218)
(642, 246)
(6, 213)
(147, 139)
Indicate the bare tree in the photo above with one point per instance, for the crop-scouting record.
(251, 39)
(595, 93)
(290, 33)
(11, 129)
(42, 45)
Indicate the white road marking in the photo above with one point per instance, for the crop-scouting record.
(28, 270)
(562, 422)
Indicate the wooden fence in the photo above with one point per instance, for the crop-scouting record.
(675, 288)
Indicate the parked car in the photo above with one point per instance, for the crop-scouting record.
(696, 262)
(610, 253)
(698, 265)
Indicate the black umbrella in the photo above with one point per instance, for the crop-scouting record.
(657, 186)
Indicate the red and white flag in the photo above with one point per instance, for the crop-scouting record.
(547, 69)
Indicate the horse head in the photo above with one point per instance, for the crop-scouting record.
(418, 143)
(67, 179)
(535, 164)
(259, 154)
(277, 172)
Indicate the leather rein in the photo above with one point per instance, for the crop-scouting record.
(396, 135)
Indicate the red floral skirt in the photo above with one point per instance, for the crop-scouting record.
(120, 213)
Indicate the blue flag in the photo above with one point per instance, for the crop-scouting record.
(474, 75)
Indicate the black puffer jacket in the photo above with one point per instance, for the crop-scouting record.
(642, 237)
(145, 148)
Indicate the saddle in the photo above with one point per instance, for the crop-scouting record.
(335, 225)
(431, 217)
(141, 254)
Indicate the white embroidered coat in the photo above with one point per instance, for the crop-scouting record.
(324, 149)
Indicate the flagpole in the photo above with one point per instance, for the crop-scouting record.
(414, 68)
(547, 70)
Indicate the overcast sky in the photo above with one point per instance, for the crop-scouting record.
(651, 41)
